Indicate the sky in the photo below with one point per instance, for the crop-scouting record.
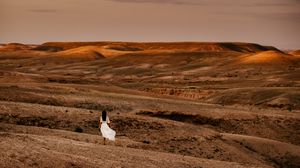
(267, 22)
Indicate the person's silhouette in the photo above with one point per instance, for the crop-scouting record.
(106, 132)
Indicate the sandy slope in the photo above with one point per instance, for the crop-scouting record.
(273, 150)
(89, 52)
(51, 151)
(270, 57)
(296, 52)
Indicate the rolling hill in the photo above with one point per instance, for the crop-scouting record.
(184, 104)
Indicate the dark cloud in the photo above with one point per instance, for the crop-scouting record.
(43, 10)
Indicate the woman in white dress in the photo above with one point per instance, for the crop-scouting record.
(107, 132)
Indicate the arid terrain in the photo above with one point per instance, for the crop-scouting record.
(184, 104)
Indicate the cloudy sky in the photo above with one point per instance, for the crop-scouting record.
(268, 22)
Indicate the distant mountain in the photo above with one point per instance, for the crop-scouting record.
(14, 46)
(296, 52)
(184, 46)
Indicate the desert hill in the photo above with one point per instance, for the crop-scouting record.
(177, 67)
(188, 46)
(296, 52)
(270, 57)
(172, 105)
(14, 47)
(89, 52)
(69, 151)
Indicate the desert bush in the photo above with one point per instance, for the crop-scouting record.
(78, 129)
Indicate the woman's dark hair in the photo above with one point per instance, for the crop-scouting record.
(103, 115)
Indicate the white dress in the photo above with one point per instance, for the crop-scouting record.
(106, 131)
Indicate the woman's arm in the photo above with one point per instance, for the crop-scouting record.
(100, 121)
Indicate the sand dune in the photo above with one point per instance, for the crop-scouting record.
(88, 52)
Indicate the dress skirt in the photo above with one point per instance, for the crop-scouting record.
(107, 132)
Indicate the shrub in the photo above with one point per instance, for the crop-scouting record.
(78, 129)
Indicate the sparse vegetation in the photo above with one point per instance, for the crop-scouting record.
(78, 129)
